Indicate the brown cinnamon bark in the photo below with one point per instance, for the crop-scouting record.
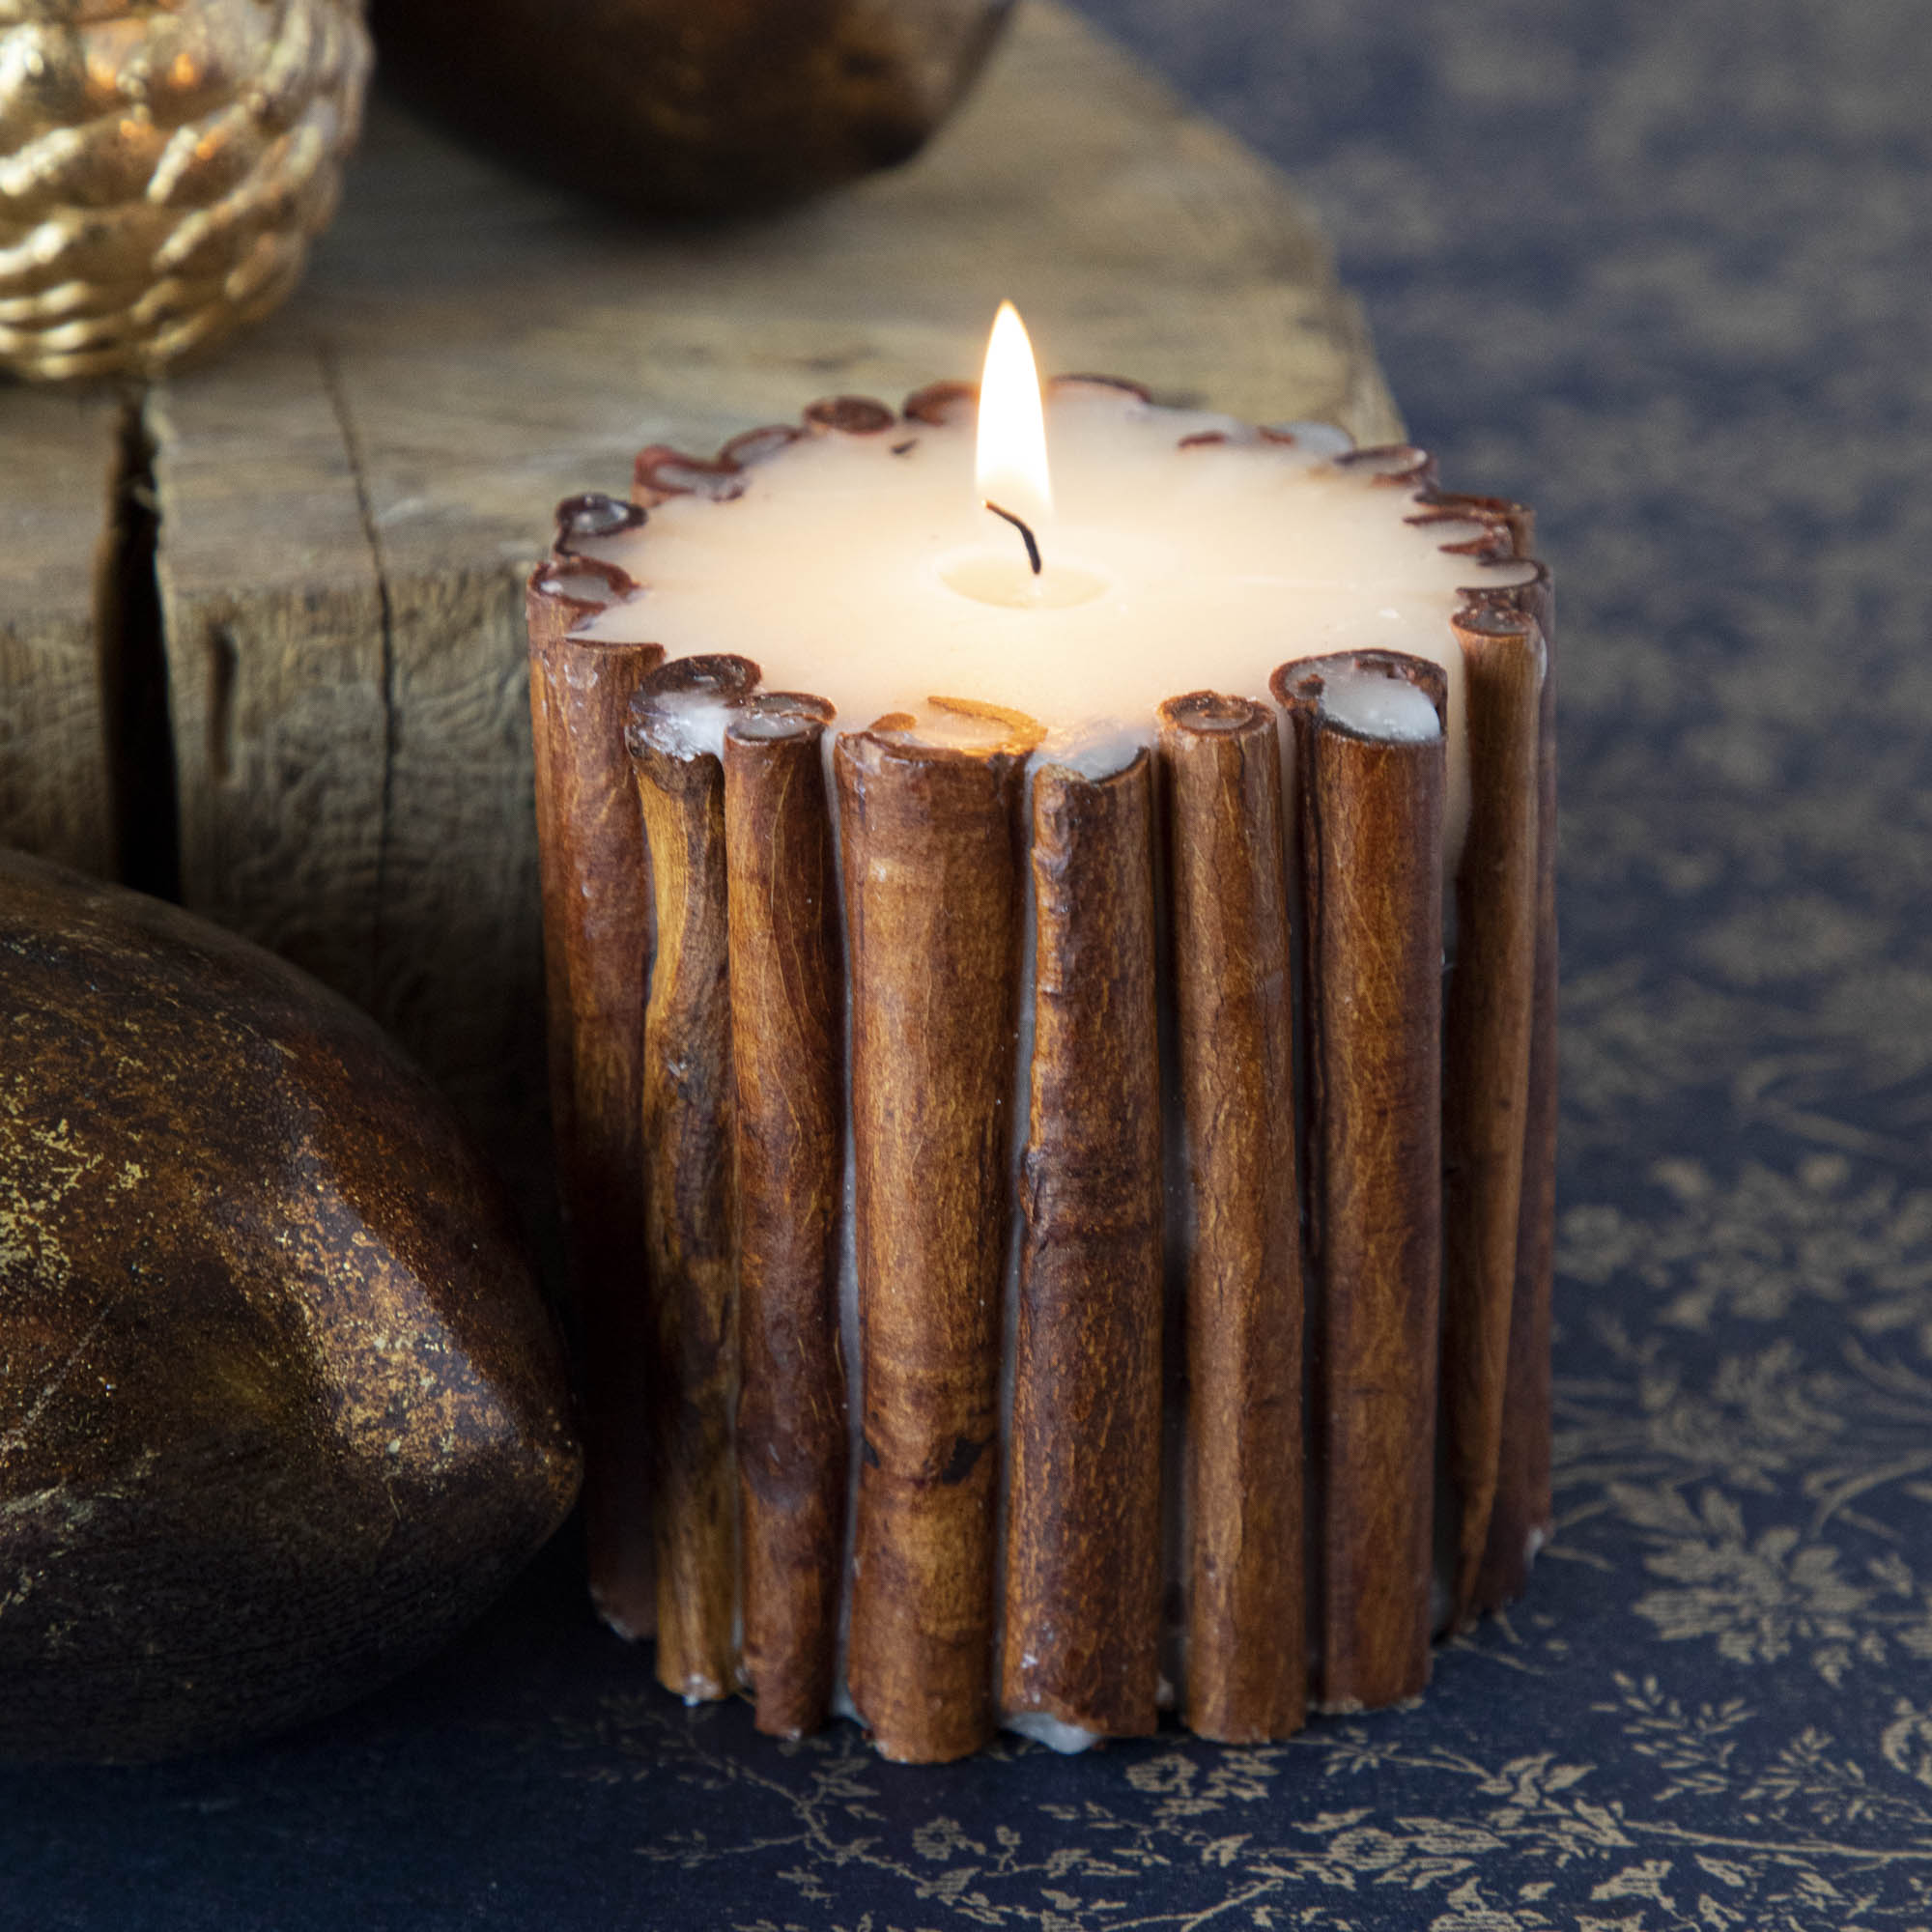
(1392, 466)
(1517, 519)
(851, 416)
(659, 471)
(686, 1117)
(1081, 1639)
(1522, 1514)
(1486, 1067)
(940, 403)
(932, 883)
(597, 946)
(1371, 811)
(789, 1047)
(923, 1604)
(1247, 1649)
(585, 521)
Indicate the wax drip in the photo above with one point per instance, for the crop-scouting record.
(1027, 537)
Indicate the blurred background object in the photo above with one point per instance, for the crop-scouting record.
(162, 171)
(693, 107)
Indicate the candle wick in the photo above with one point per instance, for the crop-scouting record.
(1027, 537)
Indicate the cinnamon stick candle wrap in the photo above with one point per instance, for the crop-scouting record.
(929, 851)
(931, 1566)
(1486, 1068)
(788, 1046)
(1371, 811)
(685, 1115)
(1081, 1639)
(597, 944)
(1243, 1476)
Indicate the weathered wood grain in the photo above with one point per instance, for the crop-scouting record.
(59, 462)
(279, 666)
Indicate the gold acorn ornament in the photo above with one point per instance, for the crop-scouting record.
(163, 167)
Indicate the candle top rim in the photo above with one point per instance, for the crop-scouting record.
(1458, 550)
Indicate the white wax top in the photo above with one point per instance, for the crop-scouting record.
(864, 570)
(687, 725)
(1380, 705)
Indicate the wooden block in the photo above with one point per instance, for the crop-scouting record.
(278, 662)
(350, 496)
(62, 460)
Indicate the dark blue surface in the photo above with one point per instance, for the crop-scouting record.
(1663, 272)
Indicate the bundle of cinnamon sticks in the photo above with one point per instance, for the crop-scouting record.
(1048, 1245)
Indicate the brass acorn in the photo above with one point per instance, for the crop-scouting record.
(162, 170)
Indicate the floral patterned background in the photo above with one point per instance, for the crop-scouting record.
(1663, 270)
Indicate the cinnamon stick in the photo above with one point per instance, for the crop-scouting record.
(686, 1116)
(1522, 1514)
(1392, 466)
(1081, 1639)
(1247, 1652)
(597, 944)
(1518, 521)
(789, 1047)
(1486, 1067)
(1371, 809)
(932, 886)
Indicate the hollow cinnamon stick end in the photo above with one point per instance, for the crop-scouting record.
(1298, 687)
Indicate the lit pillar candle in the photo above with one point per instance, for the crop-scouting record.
(993, 598)
(1179, 551)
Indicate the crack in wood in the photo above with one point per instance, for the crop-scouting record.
(224, 666)
(134, 670)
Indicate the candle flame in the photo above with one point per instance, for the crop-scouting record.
(1012, 456)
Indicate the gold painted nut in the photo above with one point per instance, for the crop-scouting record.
(281, 1406)
(164, 168)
